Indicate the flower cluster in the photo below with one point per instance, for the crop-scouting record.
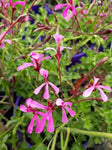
(34, 107)
(43, 113)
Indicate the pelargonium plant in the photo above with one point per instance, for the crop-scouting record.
(53, 78)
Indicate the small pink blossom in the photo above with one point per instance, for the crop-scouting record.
(83, 11)
(65, 13)
(105, 37)
(27, 18)
(36, 61)
(67, 106)
(32, 108)
(13, 4)
(2, 45)
(58, 38)
(44, 73)
(95, 86)
(103, 14)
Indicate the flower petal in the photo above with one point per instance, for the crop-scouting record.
(50, 126)
(65, 12)
(34, 55)
(37, 90)
(104, 87)
(46, 93)
(73, 11)
(37, 121)
(48, 57)
(35, 104)
(2, 34)
(59, 102)
(95, 80)
(44, 73)
(68, 103)
(88, 92)
(19, 2)
(64, 116)
(56, 89)
(60, 6)
(8, 41)
(23, 108)
(28, 101)
(50, 48)
(30, 126)
(2, 45)
(71, 112)
(41, 125)
(58, 38)
(103, 95)
(61, 48)
(68, 17)
(25, 65)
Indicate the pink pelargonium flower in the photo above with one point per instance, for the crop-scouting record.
(2, 45)
(36, 61)
(47, 116)
(44, 73)
(32, 108)
(58, 38)
(67, 106)
(103, 14)
(95, 86)
(65, 13)
(83, 11)
(13, 4)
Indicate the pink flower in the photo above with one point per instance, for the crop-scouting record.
(27, 18)
(32, 108)
(13, 4)
(58, 38)
(103, 14)
(36, 61)
(47, 116)
(2, 45)
(105, 37)
(70, 7)
(95, 86)
(83, 11)
(44, 73)
(67, 106)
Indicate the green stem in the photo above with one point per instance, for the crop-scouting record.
(67, 139)
(54, 141)
(6, 131)
(94, 23)
(89, 133)
(36, 39)
(61, 137)
(3, 117)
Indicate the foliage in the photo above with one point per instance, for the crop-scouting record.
(88, 34)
